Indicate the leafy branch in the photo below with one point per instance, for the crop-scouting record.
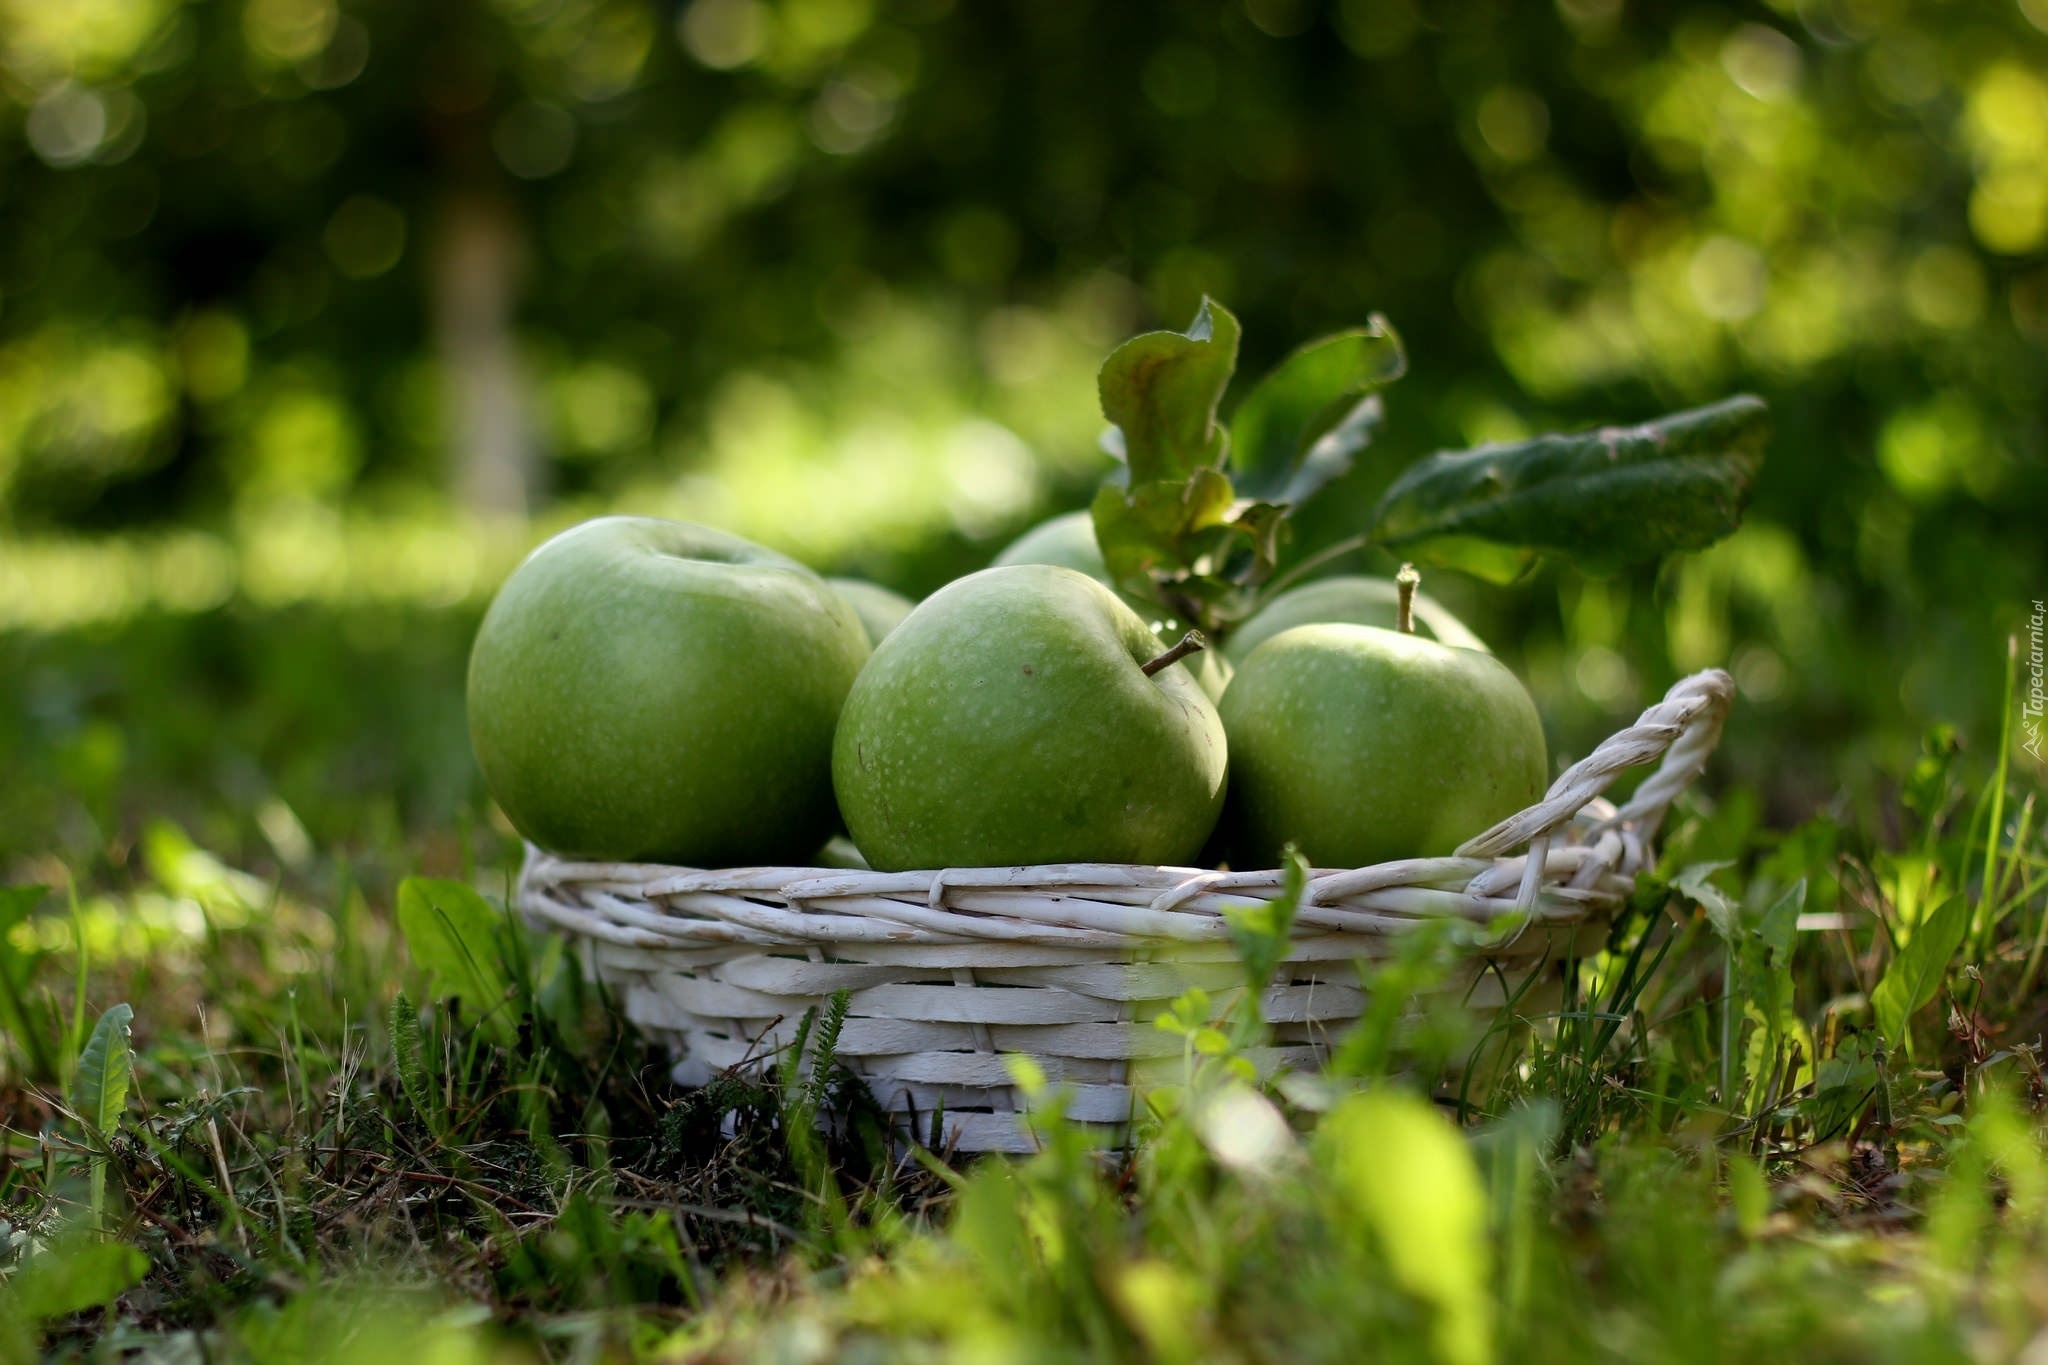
(1196, 516)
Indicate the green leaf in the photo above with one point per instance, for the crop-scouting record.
(1602, 498)
(1692, 884)
(1916, 974)
(1763, 982)
(457, 936)
(1151, 528)
(1411, 1185)
(1306, 420)
(99, 1088)
(1262, 934)
(74, 1274)
(1161, 389)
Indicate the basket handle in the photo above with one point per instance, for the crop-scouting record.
(1682, 729)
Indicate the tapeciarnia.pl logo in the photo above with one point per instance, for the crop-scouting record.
(2032, 705)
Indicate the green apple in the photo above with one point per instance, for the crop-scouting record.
(1009, 720)
(880, 610)
(1067, 540)
(651, 691)
(1350, 598)
(1364, 745)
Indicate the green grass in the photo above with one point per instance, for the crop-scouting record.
(1793, 1110)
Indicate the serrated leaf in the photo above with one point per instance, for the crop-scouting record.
(1915, 975)
(1162, 390)
(1764, 969)
(1692, 883)
(99, 1088)
(455, 934)
(1306, 420)
(1601, 498)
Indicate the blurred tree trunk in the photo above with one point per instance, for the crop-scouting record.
(477, 269)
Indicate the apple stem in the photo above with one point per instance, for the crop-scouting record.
(1405, 583)
(1190, 643)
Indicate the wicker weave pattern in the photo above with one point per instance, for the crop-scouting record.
(1070, 962)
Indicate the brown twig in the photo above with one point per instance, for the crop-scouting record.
(1190, 643)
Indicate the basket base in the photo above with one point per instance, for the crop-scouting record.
(930, 1037)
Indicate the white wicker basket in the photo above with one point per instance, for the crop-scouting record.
(1069, 963)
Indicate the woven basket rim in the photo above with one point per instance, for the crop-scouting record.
(1580, 856)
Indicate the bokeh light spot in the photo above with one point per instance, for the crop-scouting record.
(1514, 123)
(1762, 62)
(977, 244)
(2009, 210)
(1927, 449)
(1377, 28)
(724, 34)
(991, 476)
(213, 355)
(301, 442)
(1945, 288)
(343, 58)
(283, 32)
(1280, 18)
(534, 141)
(1180, 80)
(44, 41)
(1727, 279)
(601, 409)
(365, 237)
(852, 111)
(1602, 675)
(66, 126)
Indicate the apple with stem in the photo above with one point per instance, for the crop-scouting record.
(1364, 745)
(1024, 714)
(1353, 599)
(1068, 540)
(645, 690)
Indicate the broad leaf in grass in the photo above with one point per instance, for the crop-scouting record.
(1601, 498)
(1407, 1187)
(1763, 986)
(1916, 974)
(73, 1274)
(1305, 421)
(99, 1088)
(456, 935)
(1162, 388)
(1693, 884)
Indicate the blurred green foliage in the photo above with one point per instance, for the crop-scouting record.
(346, 302)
